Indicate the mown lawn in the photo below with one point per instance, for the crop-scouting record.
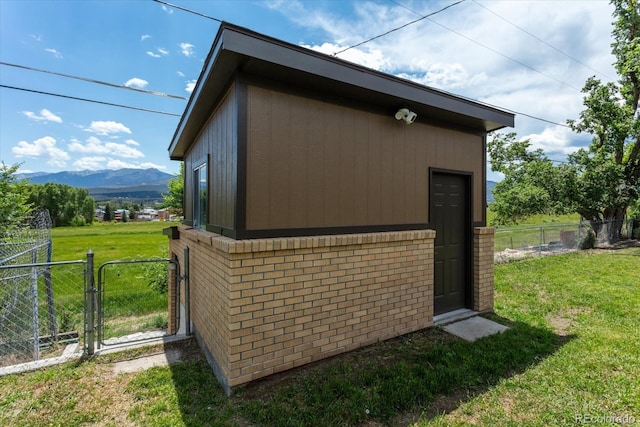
(572, 351)
(130, 303)
(110, 241)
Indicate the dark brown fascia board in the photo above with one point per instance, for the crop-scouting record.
(234, 45)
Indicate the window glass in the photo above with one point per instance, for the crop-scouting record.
(200, 196)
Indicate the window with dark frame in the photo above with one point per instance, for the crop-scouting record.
(200, 181)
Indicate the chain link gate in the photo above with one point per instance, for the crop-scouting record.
(131, 300)
(41, 310)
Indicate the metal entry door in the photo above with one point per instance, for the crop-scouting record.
(132, 300)
(450, 216)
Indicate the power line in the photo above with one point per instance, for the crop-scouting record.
(541, 41)
(536, 118)
(397, 28)
(403, 26)
(89, 100)
(188, 10)
(85, 79)
(491, 49)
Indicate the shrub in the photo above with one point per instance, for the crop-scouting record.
(78, 221)
(157, 275)
(588, 240)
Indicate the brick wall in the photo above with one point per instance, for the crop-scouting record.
(267, 305)
(483, 285)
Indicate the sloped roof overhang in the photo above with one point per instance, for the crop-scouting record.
(236, 49)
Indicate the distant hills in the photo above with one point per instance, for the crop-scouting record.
(141, 184)
(137, 184)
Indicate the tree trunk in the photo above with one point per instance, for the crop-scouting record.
(609, 230)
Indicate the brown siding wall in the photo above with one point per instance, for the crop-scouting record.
(315, 164)
(218, 140)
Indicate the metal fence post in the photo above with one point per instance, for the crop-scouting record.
(540, 240)
(34, 306)
(187, 303)
(90, 306)
(53, 327)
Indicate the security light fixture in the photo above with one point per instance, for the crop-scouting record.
(406, 115)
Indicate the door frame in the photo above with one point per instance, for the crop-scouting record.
(468, 178)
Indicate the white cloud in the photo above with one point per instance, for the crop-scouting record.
(57, 162)
(123, 150)
(101, 162)
(137, 83)
(191, 84)
(94, 145)
(36, 37)
(371, 58)
(186, 49)
(90, 163)
(556, 141)
(160, 53)
(42, 147)
(132, 142)
(54, 52)
(450, 76)
(180, 73)
(469, 51)
(166, 9)
(45, 116)
(144, 37)
(119, 164)
(107, 128)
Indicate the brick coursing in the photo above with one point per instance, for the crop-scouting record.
(267, 305)
(483, 285)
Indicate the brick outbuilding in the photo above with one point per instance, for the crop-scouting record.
(327, 206)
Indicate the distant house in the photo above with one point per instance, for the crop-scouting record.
(121, 215)
(99, 213)
(327, 206)
(147, 214)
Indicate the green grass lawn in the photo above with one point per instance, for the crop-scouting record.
(130, 304)
(572, 351)
(110, 241)
(537, 220)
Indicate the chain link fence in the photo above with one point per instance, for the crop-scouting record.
(40, 312)
(133, 301)
(524, 242)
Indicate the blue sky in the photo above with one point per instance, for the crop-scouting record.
(531, 57)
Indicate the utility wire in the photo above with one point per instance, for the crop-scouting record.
(491, 49)
(388, 32)
(540, 40)
(397, 28)
(188, 10)
(85, 79)
(89, 100)
(534, 117)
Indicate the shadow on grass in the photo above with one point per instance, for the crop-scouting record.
(425, 373)
(406, 374)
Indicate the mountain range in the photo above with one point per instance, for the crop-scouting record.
(137, 184)
(150, 184)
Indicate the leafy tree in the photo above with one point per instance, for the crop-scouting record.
(175, 199)
(600, 182)
(108, 212)
(532, 183)
(65, 204)
(14, 205)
